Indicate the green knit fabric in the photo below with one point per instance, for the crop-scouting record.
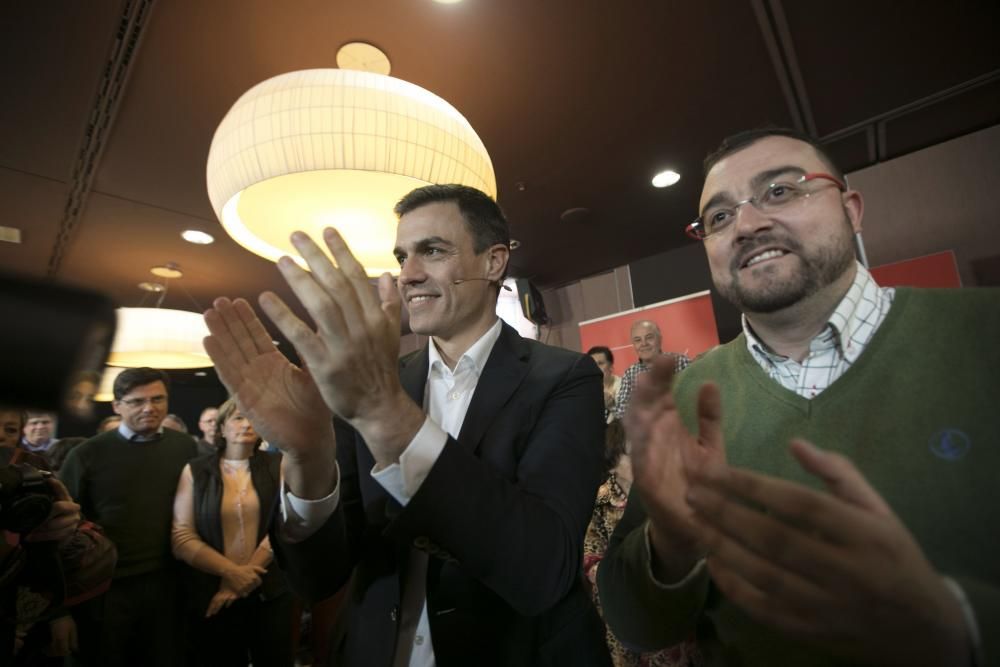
(918, 414)
(128, 488)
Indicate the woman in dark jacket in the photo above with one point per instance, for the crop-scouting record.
(238, 604)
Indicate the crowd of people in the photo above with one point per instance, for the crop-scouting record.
(813, 492)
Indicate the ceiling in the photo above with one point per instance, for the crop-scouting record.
(110, 107)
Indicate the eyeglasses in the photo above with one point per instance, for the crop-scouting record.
(139, 402)
(770, 198)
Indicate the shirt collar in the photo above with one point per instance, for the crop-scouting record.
(40, 447)
(132, 436)
(475, 357)
(843, 321)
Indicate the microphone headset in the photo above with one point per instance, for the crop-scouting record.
(492, 282)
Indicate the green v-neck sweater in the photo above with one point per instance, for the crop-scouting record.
(919, 415)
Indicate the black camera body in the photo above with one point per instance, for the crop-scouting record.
(25, 497)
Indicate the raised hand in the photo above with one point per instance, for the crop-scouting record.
(662, 452)
(353, 354)
(280, 399)
(835, 569)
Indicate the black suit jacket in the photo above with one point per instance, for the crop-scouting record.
(502, 514)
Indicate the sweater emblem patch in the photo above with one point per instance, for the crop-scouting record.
(950, 444)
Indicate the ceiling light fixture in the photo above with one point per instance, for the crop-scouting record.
(106, 392)
(665, 179)
(197, 237)
(335, 148)
(159, 337)
(170, 270)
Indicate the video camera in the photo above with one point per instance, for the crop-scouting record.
(25, 497)
(60, 332)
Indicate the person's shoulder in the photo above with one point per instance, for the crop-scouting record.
(713, 361)
(957, 308)
(556, 360)
(181, 441)
(91, 447)
(951, 297)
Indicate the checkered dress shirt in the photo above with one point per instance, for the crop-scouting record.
(835, 348)
(632, 374)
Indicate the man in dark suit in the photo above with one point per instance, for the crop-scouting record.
(460, 481)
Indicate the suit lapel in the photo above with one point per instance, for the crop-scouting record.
(504, 371)
(413, 375)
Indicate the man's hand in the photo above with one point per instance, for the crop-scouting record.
(63, 630)
(353, 354)
(835, 569)
(280, 399)
(662, 450)
(242, 579)
(220, 600)
(63, 519)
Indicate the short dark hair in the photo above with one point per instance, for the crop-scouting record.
(614, 444)
(483, 216)
(740, 140)
(130, 378)
(600, 349)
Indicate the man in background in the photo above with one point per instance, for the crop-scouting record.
(206, 424)
(648, 343)
(125, 480)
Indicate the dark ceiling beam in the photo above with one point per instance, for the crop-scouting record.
(780, 47)
(104, 109)
(876, 125)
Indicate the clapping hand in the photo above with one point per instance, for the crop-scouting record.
(836, 569)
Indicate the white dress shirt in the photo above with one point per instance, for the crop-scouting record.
(446, 400)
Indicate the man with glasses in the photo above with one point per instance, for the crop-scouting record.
(815, 491)
(125, 480)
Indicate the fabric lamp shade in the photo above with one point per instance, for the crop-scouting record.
(106, 392)
(159, 338)
(335, 148)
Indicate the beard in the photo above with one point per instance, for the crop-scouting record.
(772, 292)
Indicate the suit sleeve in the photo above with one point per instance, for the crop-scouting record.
(984, 599)
(640, 611)
(320, 565)
(523, 536)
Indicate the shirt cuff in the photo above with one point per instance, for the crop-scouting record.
(304, 517)
(975, 638)
(690, 576)
(402, 480)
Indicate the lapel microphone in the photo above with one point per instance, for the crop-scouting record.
(465, 280)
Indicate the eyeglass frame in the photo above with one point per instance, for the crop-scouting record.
(134, 403)
(698, 222)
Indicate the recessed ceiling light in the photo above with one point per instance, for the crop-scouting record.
(665, 179)
(168, 270)
(197, 236)
(151, 287)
